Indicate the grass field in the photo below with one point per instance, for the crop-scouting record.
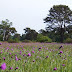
(36, 57)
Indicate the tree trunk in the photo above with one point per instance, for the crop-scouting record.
(62, 35)
(3, 35)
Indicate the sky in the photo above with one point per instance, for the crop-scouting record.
(28, 13)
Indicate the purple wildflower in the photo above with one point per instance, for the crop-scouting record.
(23, 49)
(29, 54)
(19, 58)
(12, 49)
(3, 66)
(1, 51)
(16, 68)
(3, 58)
(10, 53)
(0, 43)
(33, 52)
(24, 55)
(11, 56)
(33, 60)
(16, 58)
(61, 52)
(63, 65)
(55, 68)
(40, 48)
(47, 56)
(11, 68)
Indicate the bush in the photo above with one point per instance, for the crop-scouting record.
(13, 40)
(68, 40)
(27, 41)
(41, 38)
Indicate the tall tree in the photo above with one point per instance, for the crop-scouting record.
(59, 17)
(5, 29)
(30, 34)
(43, 32)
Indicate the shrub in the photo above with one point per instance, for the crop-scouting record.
(27, 41)
(11, 41)
(41, 38)
(68, 40)
(16, 40)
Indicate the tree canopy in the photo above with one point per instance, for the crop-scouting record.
(59, 16)
(6, 29)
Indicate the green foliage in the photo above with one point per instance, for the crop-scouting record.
(27, 41)
(68, 40)
(6, 30)
(30, 34)
(1, 38)
(41, 38)
(10, 40)
(16, 40)
(16, 36)
(59, 17)
(22, 37)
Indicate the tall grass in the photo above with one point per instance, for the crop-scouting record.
(44, 59)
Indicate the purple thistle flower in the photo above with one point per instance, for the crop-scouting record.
(61, 52)
(16, 68)
(12, 49)
(55, 68)
(11, 68)
(33, 52)
(39, 50)
(16, 58)
(27, 51)
(11, 56)
(23, 49)
(1, 52)
(10, 53)
(3, 66)
(0, 43)
(63, 65)
(33, 60)
(15, 54)
(7, 48)
(19, 58)
(47, 56)
(29, 54)
(3, 58)
(20, 52)
(24, 55)
(37, 56)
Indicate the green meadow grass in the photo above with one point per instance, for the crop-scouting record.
(37, 62)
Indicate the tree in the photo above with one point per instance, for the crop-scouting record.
(69, 31)
(17, 36)
(30, 34)
(5, 29)
(59, 17)
(43, 32)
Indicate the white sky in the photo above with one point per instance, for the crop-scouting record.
(28, 13)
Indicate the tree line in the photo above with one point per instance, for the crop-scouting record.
(58, 28)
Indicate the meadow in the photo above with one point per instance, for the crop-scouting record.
(35, 57)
